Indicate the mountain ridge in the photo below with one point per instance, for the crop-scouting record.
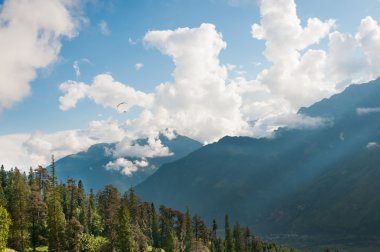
(255, 179)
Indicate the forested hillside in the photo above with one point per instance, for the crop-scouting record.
(39, 213)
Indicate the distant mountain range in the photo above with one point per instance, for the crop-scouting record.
(309, 181)
(89, 166)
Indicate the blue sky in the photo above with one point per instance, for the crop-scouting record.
(117, 49)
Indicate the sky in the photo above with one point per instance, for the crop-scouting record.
(202, 68)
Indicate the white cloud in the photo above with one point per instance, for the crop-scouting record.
(30, 34)
(123, 165)
(104, 91)
(128, 147)
(126, 166)
(369, 38)
(372, 145)
(204, 104)
(138, 66)
(76, 68)
(34, 149)
(104, 29)
(199, 103)
(364, 111)
(294, 75)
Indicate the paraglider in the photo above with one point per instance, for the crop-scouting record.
(122, 107)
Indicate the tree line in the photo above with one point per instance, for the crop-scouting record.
(39, 212)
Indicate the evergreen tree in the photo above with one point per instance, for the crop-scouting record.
(109, 201)
(3, 177)
(31, 177)
(56, 218)
(133, 205)
(94, 219)
(213, 237)
(72, 196)
(125, 239)
(238, 238)
(43, 180)
(3, 199)
(37, 216)
(155, 228)
(73, 233)
(229, 240)
(5, 222)
(82, 206)
(189, 232)
(18, 208)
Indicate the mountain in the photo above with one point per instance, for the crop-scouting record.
(89, 166)
(303, 181)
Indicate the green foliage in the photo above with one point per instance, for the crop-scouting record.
(73, 232)
(5, 222)
(56, 218)
(18, 208)
(39, 249)
(91, 243)
(38, 204)
(229, 240)
(38, 217)
(108, 205)
(126, 240)
(189, 231)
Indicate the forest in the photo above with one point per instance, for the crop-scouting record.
(38, 212)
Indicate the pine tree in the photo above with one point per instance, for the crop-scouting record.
(95, 225)
(18, 208)
(56, 218)
(229, 241)
(31, 177)
(4, 227)
(238, 238)
(125, 239)
(82, 206)
(73, 234)
(133, 205)
(3, 199)
(38, 216)
(213, 237)
(109, 201)
(3, 177)
(72, 196)
(189, 232)
(155, 228)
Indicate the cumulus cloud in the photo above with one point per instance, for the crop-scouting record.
(369, 38)
(103, 27)
(295, 75)
(205, 103)
(123, 165)
(30, 34)
(199, 103)
(105, 91)
(131, 148)
(126, 166)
